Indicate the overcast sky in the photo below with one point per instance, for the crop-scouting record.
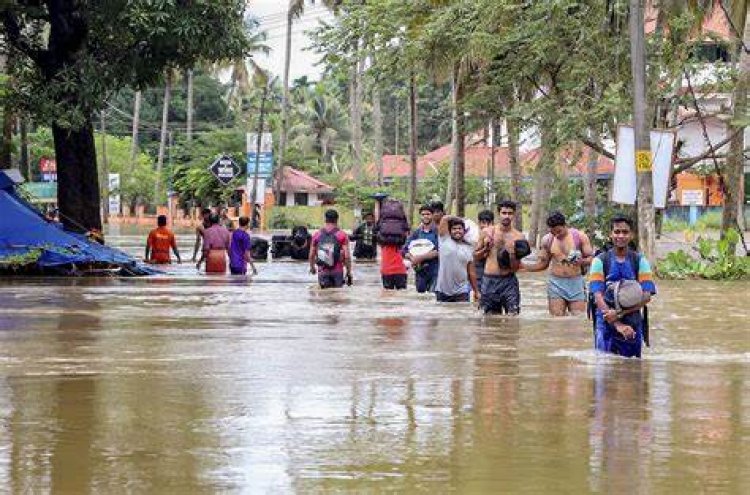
(272, 16)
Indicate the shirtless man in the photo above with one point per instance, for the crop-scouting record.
(566, 252)
(499, 289)
(202, 226)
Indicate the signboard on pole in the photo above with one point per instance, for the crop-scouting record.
(48, 168)
(264, 156)
(692, 197)
(225, 169)
(114, 194)
(629, 161)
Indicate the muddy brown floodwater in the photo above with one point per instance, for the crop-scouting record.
(193, 384)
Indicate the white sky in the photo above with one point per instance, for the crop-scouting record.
(272, 16)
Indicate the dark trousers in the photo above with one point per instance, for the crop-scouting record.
(397, 281)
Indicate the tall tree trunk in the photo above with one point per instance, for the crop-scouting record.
(459, 144)
(589, 181)
(163, 140)
(25, 163)
(491, 171)
(104, 169)
(450, 190)
(377, 123)
(278, 171)
(397, 128)
(412, 145)
(6, 159)
(190, 105)
(735, 168)
(355, 112)
(134, 135)
(542, 183)
(645, 197)
(5, 145)
(77, 180)
(516, 177)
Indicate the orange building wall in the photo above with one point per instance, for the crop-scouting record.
(709, 185)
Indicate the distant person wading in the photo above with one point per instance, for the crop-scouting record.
(216, 241)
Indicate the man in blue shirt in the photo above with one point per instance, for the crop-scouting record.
(620, 331)
(426, 265)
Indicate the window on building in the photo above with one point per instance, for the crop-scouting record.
(300, 199)
(282, 199)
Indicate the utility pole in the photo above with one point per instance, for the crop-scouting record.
(643, 157)
(258, 142)
(104, 180)
(412, 145)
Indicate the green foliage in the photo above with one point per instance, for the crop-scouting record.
(136, 181)
(709, 221)
(20, 260)
(716, 261)
(103, 46)
(189, 173)
(286, 217)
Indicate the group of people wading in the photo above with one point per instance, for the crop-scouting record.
(459, 261)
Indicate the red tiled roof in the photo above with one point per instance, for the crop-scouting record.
(477, 161)
(714, 24)
(298, 181)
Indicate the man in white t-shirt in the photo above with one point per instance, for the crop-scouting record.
(456, 276)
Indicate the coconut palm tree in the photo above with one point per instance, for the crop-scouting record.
(322, 125)
(295, 10)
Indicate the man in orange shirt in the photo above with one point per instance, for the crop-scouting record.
(160, 240)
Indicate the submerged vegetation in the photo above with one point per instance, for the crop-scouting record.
(716, 260)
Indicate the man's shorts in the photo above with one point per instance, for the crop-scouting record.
(331, 280)
(397, 281)
(460, 297)
(500, 294)
(568, 289)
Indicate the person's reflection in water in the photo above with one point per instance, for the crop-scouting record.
(619, 432)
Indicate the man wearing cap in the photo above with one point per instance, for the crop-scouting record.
(621, 318)
(498, 245)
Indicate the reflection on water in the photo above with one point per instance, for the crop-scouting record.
(192, 384)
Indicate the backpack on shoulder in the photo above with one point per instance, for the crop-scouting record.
(328, 253)
(634, 259)
(392, 225)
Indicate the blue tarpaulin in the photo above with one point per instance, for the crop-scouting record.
(23, 230)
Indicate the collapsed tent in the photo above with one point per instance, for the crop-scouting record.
(29, 243)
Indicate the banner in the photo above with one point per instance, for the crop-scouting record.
(114, 194)
(264, 156)
(624, 187)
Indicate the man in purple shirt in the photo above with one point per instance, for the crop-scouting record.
(239, 250)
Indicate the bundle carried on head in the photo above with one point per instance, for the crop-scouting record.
(392, 227)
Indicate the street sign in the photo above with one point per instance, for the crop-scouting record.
(225, 169)
(264, 156)
(114, 194)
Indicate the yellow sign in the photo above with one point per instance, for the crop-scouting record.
(643, 161)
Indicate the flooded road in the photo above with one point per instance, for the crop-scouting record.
(194, 384)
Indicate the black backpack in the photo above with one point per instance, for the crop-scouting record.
(634, 259)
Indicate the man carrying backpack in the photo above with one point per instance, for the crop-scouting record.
(424, 260)
(329, 254)
(567, 252)
(622, 284)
